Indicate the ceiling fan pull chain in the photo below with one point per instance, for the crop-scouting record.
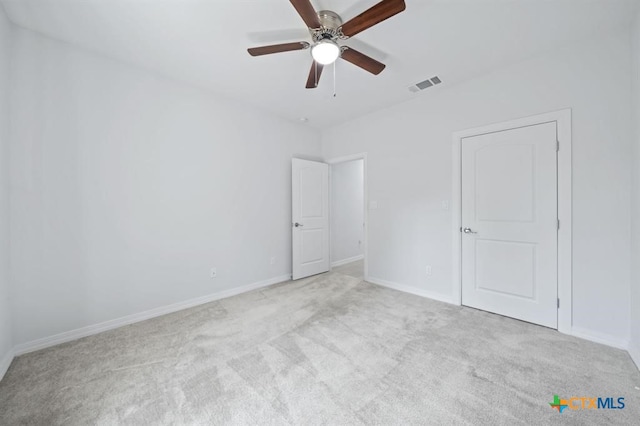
(334, 79)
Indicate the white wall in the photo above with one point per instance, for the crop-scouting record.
(5, 311)
(128, 187)
(409, 172)
(347, 210)
(634, 347)
(126, 190)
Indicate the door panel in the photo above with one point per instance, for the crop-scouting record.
(311, 202)
(509, 204)
(310, 210)
(517, 279)
(312, 245)
(500, 199)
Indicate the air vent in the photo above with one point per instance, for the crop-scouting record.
(425, 84)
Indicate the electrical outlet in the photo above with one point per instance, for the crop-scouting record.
(214, 272)
(272, 261)
(428, 270)
(445, 205)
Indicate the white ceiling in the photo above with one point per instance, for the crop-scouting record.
(204, 42)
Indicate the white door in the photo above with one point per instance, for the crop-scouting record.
(310, 217)
(510, 223)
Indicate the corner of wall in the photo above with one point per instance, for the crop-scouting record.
(5, 362)
(6, 321)
(634, 352)
(634, 343)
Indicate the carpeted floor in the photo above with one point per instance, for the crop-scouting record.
(326, 350)
(352, 269)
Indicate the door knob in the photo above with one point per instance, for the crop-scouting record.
(468, 231)
(297, 224)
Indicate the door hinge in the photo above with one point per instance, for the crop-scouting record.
(557, 146)
(558, 224)
(558, 303)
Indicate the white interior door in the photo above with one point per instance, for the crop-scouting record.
(310, 217)
(510, 223)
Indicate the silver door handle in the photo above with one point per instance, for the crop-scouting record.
(297, 224)
(468, 231)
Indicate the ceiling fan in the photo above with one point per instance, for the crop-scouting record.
(326, 28)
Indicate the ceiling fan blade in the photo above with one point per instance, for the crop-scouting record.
(363, 61)
(370, 17)
(277, 48)
(306, 12)
(314, 75)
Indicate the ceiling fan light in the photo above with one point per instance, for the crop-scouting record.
(325, 52)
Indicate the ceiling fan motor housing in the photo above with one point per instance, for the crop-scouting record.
(329, 19)
(330, 23)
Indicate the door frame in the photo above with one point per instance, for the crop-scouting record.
(365, 242)
(563, 120)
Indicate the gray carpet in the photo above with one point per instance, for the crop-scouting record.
(352, 269)
(327, 350)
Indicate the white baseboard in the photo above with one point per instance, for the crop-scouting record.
(68, 336)
(89, 330)
(348, 260)
(6, 362)
(575, 331)
(412, 290)
(598, 337)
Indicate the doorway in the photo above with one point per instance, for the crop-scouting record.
(348, 215)
(509, 217)
(512, 218)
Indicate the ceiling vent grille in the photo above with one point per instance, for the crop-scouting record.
(425, 84)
